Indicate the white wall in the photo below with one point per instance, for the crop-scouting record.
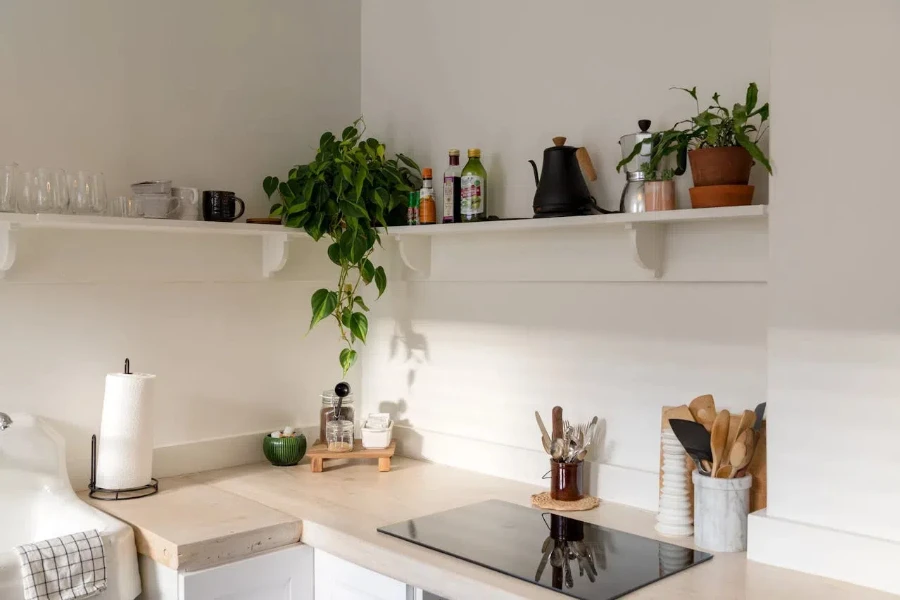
(214, 95)
(508, 75)
(466, 363)
(834, 326)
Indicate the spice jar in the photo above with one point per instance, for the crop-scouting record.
(339, 436)
(326, 414)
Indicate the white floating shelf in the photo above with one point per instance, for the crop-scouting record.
(275, 239)
(646, 231)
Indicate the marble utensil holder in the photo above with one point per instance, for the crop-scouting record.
(721, 507)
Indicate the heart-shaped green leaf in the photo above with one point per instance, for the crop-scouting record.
(380, 280)
(361, 303)
(270, 184)
(359, 326)
(347, 358)
(353, 210)
(334, 253)
(277, 210)
(285, 190)
(323, 304)
(367, 271)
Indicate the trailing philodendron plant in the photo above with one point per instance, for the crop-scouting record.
(344, 194)
(715, 127)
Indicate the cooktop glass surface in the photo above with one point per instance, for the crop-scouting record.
(578, 559)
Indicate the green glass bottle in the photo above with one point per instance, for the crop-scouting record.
(473, 196)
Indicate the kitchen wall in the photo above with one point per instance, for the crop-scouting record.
(466, 364)
(834, 327)
(211, 94)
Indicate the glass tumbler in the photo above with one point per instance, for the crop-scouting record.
(123, 206)
(339, 435)
(9, 179)
(87, 193)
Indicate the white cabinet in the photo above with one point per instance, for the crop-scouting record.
(337, 579)
(285, 574)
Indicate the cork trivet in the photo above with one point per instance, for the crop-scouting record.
(543, 500)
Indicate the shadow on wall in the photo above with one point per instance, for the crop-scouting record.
(413, 345)
(411, 444)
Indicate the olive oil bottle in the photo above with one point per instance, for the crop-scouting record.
(473, 193)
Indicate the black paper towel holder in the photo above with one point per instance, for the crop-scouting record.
(98, 493)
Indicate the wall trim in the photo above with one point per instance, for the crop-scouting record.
(215, 453)
(609, 482)
(612, 483)
(851, 557)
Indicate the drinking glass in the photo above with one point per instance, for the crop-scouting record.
(123, 206)
(46, 196)
(9, 179)
(87, 193)
(28, 190)
(62, 192)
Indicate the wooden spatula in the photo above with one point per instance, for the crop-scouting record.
(704, 410)
(718, 437)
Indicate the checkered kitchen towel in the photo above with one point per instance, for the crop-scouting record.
(64, 568)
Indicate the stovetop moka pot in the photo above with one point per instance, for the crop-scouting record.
(561, 188)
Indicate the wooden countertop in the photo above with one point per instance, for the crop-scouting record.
(216, 516)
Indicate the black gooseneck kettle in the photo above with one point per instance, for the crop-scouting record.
(561, 189)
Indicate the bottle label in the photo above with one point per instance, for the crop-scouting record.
(426, 207)
(448, 200)
(472, 195)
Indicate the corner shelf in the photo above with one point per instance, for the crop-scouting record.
(275, 239)
(646, 231)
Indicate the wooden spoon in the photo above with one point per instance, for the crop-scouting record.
(748, 418)
(704, 410)
(742, 452)
(725, 472)
(718, 436)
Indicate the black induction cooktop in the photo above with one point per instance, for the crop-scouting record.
(575, 558)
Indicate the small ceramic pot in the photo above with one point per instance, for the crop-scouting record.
(721, 195)
(567, 481)
(720, 166)
(284, 451)
(659, 195)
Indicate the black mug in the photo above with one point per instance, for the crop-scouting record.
(220, 206)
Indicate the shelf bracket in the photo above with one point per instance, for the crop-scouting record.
(7, 247)
(274, 252)
(415, 252)
(648, 242)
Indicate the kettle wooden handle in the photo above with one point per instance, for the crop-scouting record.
(587, 166)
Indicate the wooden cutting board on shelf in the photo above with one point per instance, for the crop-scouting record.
(757, 466)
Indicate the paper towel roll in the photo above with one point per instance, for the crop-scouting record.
(125, 454)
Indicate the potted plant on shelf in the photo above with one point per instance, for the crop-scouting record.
(659, 188)
(344, 194)
(721, 145)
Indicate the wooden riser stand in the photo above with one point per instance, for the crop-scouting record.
(319, 453)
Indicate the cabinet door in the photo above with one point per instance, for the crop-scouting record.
(285, 574)
(337, 579)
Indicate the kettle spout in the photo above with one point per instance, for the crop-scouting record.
(537, 180)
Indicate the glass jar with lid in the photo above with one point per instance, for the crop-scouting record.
(327, 412)
(339, 436)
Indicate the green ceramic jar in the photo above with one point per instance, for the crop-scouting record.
(284, 451)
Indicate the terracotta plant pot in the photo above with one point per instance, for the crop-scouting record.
(720, 166)
(659, 195)
(721, 195)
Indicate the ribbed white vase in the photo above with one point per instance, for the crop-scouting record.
(676, 515)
